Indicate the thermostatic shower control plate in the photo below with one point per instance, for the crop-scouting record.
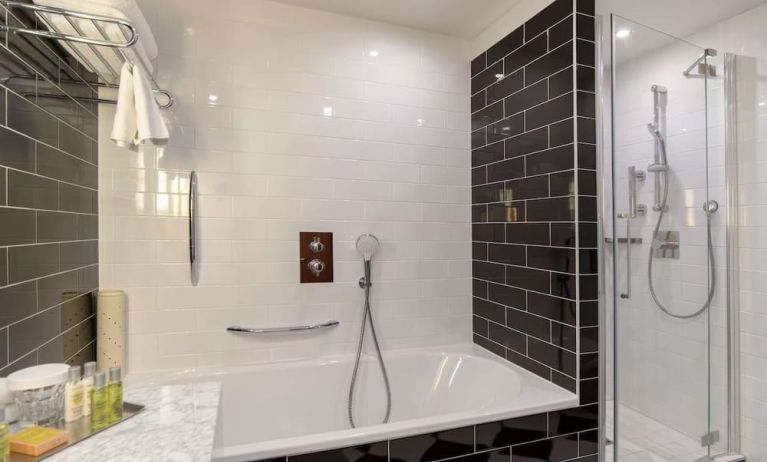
(315, 257)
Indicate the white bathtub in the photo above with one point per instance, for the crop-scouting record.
(298, 407)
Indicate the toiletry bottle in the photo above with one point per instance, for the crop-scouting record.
(99, 402)
(73, 396)
(89, 369)
(115, 395)
(5, 443)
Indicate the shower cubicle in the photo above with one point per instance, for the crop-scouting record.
(668, 247)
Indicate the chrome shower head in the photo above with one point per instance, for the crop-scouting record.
(367, 246)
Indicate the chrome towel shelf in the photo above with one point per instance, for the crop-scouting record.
(276, 330)
(97, 45)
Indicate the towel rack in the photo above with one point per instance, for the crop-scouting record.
(96, 45)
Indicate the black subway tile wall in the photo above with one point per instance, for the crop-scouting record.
(48, 205)
(534, 192)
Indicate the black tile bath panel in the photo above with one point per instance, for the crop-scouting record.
(567, 435)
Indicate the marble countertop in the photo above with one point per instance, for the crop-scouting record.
(178, 424)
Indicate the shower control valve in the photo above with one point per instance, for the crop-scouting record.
(316, 266)
(316, 245)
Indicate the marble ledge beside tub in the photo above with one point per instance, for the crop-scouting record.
(177, 424)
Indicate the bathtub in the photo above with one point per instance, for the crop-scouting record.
(301, 406)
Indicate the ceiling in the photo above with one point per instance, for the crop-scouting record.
(679, 18)
(461, 18)
(467, 18)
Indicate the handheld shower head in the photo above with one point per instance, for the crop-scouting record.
(367, 246)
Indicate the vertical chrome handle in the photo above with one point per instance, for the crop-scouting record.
(193, 225)
(627, 216)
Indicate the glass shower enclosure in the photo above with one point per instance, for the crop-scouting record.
(668, 249)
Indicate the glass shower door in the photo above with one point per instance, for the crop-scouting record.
(667, 251)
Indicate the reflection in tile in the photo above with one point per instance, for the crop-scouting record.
(433, 446)
(18, 151)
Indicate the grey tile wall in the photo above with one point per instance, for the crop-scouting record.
(48, 204)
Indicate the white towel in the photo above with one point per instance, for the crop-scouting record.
(145, 49)
(149, 123)
(137, 118)
(124, 126)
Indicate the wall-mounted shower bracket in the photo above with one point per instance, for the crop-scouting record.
(666, 244)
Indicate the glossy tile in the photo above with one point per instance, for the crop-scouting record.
(376, 452)
(18, 151)
(18, 302)
(32, 261)
(509, 338)
(433, 446)
(17, 226)
(32, 332)
(3, 267)
(527, 142)
(488, 310)
(528, 233)
(508, 296)
(527, 278)
(550, 63)
(512, 431)
(549, 112)
(527, 98)
(32, 191)
(547, 17)
(506, 45)
(524, 55)
(551, 160)
(61, 166)
(77, 199)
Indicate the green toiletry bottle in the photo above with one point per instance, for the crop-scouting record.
(5, 443)
(115, 388)
(99, 402)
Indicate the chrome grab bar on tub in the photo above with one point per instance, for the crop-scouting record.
(275, 330)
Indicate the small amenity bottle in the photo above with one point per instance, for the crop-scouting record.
(73, 396)
(89, 369)
(115, 388)
(99, 402)
(5, 439)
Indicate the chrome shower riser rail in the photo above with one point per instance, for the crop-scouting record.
(277, 330)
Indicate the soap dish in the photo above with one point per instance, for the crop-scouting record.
(78, 431)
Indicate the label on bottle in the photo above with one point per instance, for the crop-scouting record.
(73, 402)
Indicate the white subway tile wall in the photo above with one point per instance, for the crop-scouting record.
(295, 120)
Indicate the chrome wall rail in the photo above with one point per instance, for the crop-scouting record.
(193, 226)
(277, 330)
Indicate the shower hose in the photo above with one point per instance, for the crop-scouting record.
(712, 271)
(367, 315)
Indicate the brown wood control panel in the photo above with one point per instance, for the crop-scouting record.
(316, 257)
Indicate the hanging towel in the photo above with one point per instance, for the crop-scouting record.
(149, 123)
(124, 126)
(137, 118)
(145, 49)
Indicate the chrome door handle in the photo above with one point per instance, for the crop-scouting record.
(627, 216)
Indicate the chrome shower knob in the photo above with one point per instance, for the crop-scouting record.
(316, 245)
(316, 266)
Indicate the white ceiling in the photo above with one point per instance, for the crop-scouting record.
(461, 18)
(467, 18)
(679, 18)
